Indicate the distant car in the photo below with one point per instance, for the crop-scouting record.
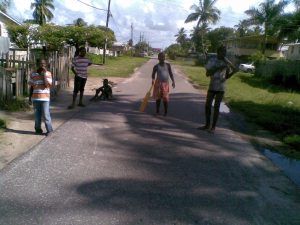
(249, 68)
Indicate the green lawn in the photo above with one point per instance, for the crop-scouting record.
(274, 108)
(116, 66)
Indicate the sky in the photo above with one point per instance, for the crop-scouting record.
(154, 21)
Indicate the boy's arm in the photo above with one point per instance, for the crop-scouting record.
(171, 75)
(153, 73)
(231, 69)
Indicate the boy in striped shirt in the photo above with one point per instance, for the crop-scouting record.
(40, 83)
(79, 68)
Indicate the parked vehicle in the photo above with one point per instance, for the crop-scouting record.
(249, 68)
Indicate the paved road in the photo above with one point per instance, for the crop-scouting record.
(112, 165)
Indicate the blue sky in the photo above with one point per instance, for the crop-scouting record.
(156, 20)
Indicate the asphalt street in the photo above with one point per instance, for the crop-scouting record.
(112, 165)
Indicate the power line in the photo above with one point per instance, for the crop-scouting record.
(91, 6)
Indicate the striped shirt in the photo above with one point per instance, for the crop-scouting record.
(41, 83)
(80, 65)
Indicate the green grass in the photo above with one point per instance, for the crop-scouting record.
(274, 108)
(121, 66)
(2, 124)
(14, 105)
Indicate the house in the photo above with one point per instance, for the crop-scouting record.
(248, 45)
(293, 52)
(4, 39)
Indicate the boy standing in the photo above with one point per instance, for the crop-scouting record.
(40, 83)
(161, 83)
(79, 68)
(219, 70)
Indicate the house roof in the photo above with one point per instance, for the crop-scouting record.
(7, 19)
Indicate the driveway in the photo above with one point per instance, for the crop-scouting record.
(111, 164)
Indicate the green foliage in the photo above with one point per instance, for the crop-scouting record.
(13, 105)
(217, 36)
(280, 72)
(258, 58)
(56, 36)
(174, 50)
(293, 140)
(2, 124)
(19, 34)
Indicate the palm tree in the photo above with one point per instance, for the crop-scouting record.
(181, 37)
(204, 13)
(241, 29)
(42, 12)
(266, 15)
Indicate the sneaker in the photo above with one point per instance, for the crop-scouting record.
(38, 131)
(211, 130)
(48, 134)
(203, 128)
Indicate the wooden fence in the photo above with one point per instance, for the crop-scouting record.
(17, 65)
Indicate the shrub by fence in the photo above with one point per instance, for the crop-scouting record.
(280, 72)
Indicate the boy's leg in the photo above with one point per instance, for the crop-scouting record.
(37, 117)
(208, 103)
(218, 100)
(157, 105)
(82, 85)
(165, 107)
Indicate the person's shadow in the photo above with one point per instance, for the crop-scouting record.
(8, 130)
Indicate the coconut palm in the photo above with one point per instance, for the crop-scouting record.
(266, 15)
(181, 37)
(204, 13)
(42, 11)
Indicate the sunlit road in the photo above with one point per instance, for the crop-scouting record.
(113, 165)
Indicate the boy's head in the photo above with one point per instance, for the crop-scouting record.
(221, 52)
(161, 57)
(105, 82)
(82, 51)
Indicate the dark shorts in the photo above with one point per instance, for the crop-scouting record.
(79, 84)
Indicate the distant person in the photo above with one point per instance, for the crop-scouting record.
(79, 67)
(219, 69)
(106, 92)
(160, 78)
(40, 83)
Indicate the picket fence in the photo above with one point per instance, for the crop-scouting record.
(17, 65)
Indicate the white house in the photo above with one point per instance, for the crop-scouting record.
(4, 39)
(293, 52)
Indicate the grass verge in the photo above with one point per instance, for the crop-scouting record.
(273, 108)
(14, 105)
(121, 66)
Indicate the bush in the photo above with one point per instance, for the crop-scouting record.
(2, 124)
(293, 140)
(18, 104)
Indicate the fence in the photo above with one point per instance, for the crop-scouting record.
(17, 65)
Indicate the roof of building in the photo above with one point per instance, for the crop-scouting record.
(8, 19)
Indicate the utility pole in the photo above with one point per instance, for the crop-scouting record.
(107, 19)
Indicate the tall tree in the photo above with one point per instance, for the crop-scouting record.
(204, 13)
(79, 22)
(181, 36)
(4, 4)
(42, 11)
(267, 15)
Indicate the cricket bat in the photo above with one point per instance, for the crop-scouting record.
(146, 99)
